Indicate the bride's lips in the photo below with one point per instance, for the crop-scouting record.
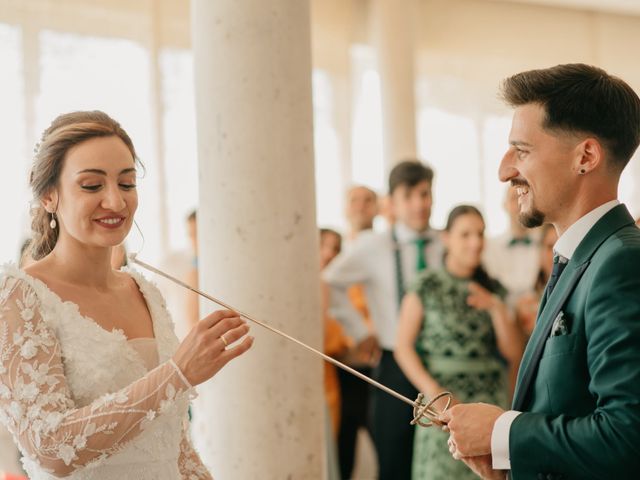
(110, 222)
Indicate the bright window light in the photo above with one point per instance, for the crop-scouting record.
(14, 192)
(449, 143)
(329, 185)
(366, 147)
(180, 145)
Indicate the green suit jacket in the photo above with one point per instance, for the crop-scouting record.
(580, 391)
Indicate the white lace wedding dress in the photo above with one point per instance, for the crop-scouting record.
(80, 401)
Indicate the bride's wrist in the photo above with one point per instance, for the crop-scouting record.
(180, 374)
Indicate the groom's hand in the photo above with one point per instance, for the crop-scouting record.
(482, 467)
(470, 426)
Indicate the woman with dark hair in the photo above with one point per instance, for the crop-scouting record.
(455, 334)
(93, 381)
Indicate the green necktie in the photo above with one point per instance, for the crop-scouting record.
(519, 241)
(421, 262)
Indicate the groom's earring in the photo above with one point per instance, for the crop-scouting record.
(582, 171)
(53, 224)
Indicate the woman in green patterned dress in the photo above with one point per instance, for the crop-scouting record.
(456, 335)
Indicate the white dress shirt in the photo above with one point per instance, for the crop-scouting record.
(565, 246)
(370, 261)
(514, 266)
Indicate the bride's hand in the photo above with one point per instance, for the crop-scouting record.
(204, 350)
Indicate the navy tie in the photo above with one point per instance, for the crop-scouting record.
(559, 264)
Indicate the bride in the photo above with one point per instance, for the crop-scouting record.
(93, 382)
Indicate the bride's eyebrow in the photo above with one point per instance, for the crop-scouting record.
(102, 172)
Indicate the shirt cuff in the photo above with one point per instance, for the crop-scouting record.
(500, 440)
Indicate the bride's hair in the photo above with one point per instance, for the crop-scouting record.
(65, 131)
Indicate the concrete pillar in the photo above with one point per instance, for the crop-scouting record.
(393, 37)
(263, 415)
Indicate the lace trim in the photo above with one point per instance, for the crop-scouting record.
(36, 403)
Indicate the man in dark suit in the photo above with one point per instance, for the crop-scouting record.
(576, 409)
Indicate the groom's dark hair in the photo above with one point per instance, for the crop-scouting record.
(579, 98)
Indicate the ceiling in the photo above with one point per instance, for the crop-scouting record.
(614, 6)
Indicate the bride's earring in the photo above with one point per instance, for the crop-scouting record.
(53, 224)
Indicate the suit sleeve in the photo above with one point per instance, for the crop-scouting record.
(605, 443)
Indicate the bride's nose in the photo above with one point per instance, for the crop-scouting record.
(113, 199)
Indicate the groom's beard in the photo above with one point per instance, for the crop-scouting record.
(531, 219)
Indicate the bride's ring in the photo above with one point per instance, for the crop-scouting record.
(224, 340)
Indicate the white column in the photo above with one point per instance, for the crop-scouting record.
(393, 38)
(263, 415)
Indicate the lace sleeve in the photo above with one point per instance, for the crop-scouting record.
(36, 403)
(189, 463)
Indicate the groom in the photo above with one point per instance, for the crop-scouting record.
(576, 410)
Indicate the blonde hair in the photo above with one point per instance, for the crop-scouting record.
(65, 132)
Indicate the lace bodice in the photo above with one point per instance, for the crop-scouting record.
(79, 399)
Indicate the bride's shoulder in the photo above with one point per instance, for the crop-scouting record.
(11, 276)
(17, 284)
(30, 280)
(8, 269)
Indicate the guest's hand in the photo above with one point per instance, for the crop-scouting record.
(481, 299)
(368, 350)
(470, 426)
(204, 350)
(526, 312)
(482, 467)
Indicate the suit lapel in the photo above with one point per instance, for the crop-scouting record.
(543, 303)
(611, 222)
(535, 347)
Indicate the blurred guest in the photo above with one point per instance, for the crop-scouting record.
(183, 264)
(454, 333)
(362, 208)
(386, 213)
(335, 341)
(513, 257)
(191, 299)
(527, 305)
(336, 345)
(386, 263)
(330, 246)
(638, 222)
